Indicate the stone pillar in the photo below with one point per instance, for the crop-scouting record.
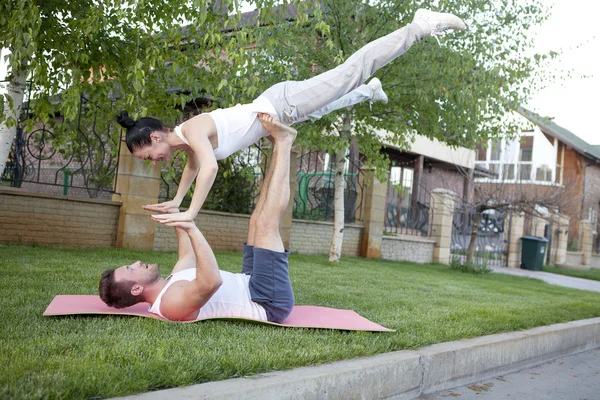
(285, 227)
(586, 232)
(373, 213)
(441, 213)
(137, 185)
(562, 240)
(517, 220)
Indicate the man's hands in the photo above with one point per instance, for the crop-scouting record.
(173, 217)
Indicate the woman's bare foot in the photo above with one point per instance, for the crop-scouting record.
(276, 129)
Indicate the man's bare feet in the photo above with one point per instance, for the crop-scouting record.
(276, 129)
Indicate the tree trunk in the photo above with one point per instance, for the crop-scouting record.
(15, 89)
(335, 251)
(473, 241)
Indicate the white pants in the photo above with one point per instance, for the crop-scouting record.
(358, 95)
(297, 101)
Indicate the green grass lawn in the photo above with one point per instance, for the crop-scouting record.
(593, 274)
(98, 356)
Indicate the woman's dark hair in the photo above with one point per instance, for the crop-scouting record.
(138, 132)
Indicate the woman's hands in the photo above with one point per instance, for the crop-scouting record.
(163, 207)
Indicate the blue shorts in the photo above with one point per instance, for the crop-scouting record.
(270, 284)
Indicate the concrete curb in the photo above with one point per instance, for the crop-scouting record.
(405, 374)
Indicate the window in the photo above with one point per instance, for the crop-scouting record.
(525, 172)
(496, 150)
(495, 170)
(543, 173)
(560, 151)
(403, 177)
(508, 171)
(526, 149)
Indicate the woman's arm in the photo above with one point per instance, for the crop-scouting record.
(189, 174)
(197, 132)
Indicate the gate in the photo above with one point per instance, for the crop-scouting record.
(491, 242)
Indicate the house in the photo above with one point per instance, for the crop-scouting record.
(415, 172)
(548, 155)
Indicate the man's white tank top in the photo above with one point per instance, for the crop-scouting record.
(231, 300)
(237, 127)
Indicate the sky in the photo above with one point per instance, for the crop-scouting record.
(572, 103)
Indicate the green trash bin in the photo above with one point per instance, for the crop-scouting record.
(533, 251)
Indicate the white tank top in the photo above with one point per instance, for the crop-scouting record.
(231, 300)
(237, 127)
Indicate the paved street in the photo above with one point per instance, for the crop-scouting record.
(574, 377)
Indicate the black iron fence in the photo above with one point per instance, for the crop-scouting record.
(490, 239)
(407, 210)
(78, 158)
(315, 188)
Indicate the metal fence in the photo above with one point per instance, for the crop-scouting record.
(78, 158)
(407, 213)
(491, 238)
(315, 188)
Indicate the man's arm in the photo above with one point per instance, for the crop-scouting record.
(185, 298)
(186, 258)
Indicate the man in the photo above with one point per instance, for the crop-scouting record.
(196, 288)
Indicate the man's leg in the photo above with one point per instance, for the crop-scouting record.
(270, 283)
(295, 101)
(248, 247)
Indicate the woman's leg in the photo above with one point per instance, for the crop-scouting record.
(372, 92)
(295, 101)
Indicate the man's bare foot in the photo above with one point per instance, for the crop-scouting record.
(276, 129)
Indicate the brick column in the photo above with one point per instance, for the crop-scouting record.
(137, 185)
(586, 232)
(441, 213)
(285, 227)
(517, 220)
(562, 240)
(373, 214)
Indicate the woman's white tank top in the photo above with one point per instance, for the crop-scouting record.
(231, 300)
(237, 127)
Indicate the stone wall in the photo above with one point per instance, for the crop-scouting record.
(59, 220)
(595, 263)
(408, 248)
(314, 237)
(574, 258)
(223, 231)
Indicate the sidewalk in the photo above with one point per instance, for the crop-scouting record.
(553, 279)
(575, 377)
(404, 374)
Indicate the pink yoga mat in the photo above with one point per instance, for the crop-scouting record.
(301, 316)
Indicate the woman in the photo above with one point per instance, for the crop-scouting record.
(220, 133)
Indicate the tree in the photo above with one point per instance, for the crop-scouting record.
(459, 91)
(132, 54)
(136, 55)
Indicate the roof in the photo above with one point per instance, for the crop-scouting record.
(562, 134)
